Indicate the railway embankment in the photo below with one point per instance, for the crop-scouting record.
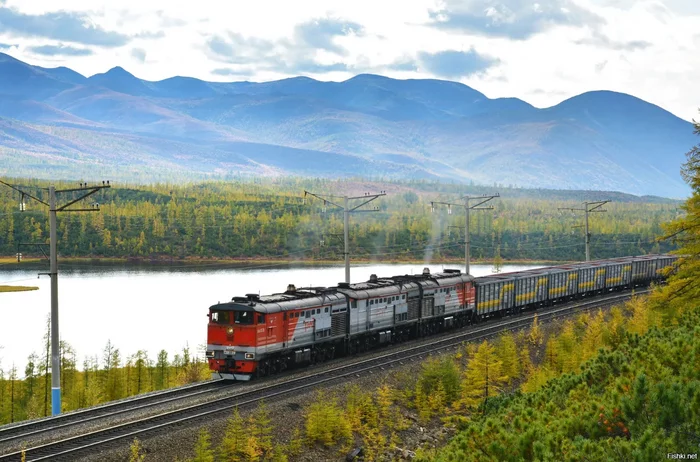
(407, 420)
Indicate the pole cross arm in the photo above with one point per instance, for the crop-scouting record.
(597, 204)
(364, 211)
(433, 203)
(371, 198)
(368, 195)
(83, 188)
(24, 193)
(63, 207)
(36, 244)
(483, 196)
(323, 198)
(80, 210)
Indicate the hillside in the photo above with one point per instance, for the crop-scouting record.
(183, 128)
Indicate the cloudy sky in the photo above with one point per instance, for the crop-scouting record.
(541, 51)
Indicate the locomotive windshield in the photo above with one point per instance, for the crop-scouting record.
(221, 317)
(232, 317)
(243, 317)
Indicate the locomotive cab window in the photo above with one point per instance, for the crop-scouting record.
(353, 304)
(261, 319)
(243, 317)
(221, 317)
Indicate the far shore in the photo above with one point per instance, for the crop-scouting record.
(8, 261)
(17, 288)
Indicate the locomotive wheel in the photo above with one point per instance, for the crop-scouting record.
(262, 369)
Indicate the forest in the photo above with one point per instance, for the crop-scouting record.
(111, 375)
(269, 219)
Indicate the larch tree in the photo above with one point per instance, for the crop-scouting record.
(507, 352)
(682, 286)
(261, 429)
(202, 450)
(593, 336)
(536, 336)
(483, 377)
(233, 445)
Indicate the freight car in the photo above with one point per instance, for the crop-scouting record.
(256, 336)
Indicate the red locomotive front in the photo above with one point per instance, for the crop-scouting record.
(232, 340)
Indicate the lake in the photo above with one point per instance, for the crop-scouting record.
(151, 307)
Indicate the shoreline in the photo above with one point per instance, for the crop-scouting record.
(12, 261)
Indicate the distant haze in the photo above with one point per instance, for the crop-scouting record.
(58, 123)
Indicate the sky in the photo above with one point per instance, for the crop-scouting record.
(540, 51)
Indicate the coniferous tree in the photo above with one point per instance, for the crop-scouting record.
(202, 450)
(233, 445)
(483, 378)
(507, 352)
(682, 288)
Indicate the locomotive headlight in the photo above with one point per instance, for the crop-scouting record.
(229, 330)
(250, 356)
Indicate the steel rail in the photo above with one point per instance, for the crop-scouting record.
(12, 432)
(69, 448)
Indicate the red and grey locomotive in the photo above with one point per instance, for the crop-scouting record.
(261, 335)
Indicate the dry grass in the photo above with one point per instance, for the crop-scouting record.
(17, 288)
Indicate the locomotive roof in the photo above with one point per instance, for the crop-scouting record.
(290, 300)
(396, 284)
(307, 297)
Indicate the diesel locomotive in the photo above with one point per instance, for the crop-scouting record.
(256, 336)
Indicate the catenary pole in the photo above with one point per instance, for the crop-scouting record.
(347, 210)
(54, 208)
(588, 207)
(53, 273)
(346, 238)
(480, 200)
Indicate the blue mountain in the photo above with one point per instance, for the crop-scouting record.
(366, 125)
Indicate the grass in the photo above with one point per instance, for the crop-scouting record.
(17, 288)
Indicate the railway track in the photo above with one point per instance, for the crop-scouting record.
(14, 432)
(73, 447)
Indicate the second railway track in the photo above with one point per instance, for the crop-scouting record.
(72, 447)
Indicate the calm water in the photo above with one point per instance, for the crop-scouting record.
(150, 307)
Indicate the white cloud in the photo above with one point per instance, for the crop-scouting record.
(650, 48)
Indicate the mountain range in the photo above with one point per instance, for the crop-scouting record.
(55, 122)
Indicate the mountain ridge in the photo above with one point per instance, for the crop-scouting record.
(425, 128)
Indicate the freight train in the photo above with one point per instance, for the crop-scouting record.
(256, 336)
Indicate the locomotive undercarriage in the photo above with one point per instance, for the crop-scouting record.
(325, 351)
